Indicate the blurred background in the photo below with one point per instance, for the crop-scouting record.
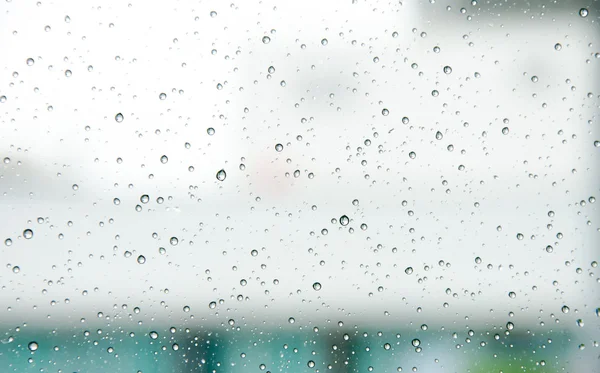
(345, 186)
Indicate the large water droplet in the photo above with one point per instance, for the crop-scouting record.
(119, 117)
(32, 346)
(583, 12)
(221, 175)
(344, 220)
(28, 234)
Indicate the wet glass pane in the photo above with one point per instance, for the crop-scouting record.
(308, 186)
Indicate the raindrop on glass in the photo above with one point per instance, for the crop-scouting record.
(28, 234)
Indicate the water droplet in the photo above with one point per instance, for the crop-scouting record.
(174, 241)
(30, 62)
(520, 236)
(32, 346)
(153, 335)
(534, 79)
(266, 40)
(447, 70)
(583, 12)
(505, 131)
(271, 69)
(291, 320)
(144, 198)
(68, 73)
(162, 96)
(512, 294)
(119, 117)
(117, 201)
(164, 159)
(141, 259)
(213, 14)
(311, 364)
(565, 309)
(8, 242)
(28, 234)
(212, 305)
(415, 342)
(221, 175)
(344, 220)
(279, 147)
(385, 112)
(317, 286)
(408, 270)
(412, 155)
(557, 46)
(16, 269)
(2, 99)
(439, 135)
(324, 42)
(579, 323)
(510, 326)
(210, 131)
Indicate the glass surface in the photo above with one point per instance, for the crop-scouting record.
(307, 186)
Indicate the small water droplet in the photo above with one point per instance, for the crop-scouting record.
(412, 155)
(505, 131)
(557, 46)
(279, 147)
(317, 286)
(344, 220)
(119, 117)
(385, 112)
(221, 175)
(324, 42)
(439, 135)
(174, 241)
(28, 234)
(30, 62)
(162, 96)
(447, 70)
(164, 159)
(266, 40)
(141, 259)
(32, 346)
(153, 335)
